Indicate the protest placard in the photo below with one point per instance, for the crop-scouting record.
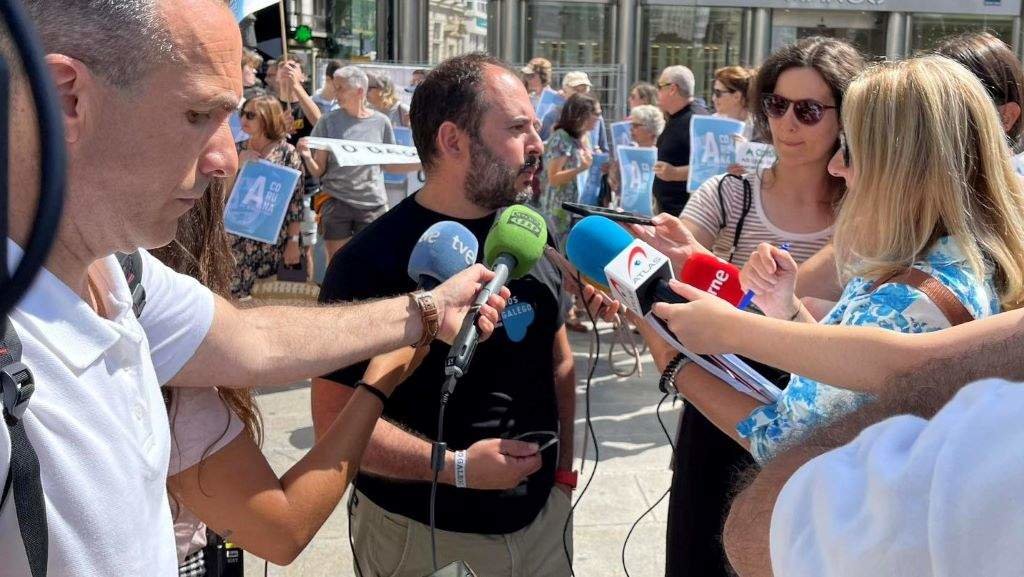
(403, 136)
(712, 148)
(235, 121)
(636, 169)
(547, 101)
(588, 183)
(259, 201)
(755, 157)
(622, 134)
(355, 153)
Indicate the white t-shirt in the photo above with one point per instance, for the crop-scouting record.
(912, 497)
(97, 419)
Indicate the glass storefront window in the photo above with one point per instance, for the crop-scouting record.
(570, 34)
(927, 30)
(456, 27)
(355, 28)
(702, 39)
(865, 30)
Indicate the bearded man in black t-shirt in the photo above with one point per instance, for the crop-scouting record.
(476, 133)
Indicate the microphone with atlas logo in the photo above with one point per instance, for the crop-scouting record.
(636, 273)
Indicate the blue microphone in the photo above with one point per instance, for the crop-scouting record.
(443, 251)
(593, 243)
(636, 273)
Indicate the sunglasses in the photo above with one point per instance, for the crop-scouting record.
(663, 85)
(844, 146)
(720, 93)
(807, 112)
(249, 114)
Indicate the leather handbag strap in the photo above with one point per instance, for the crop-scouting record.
(954, 310)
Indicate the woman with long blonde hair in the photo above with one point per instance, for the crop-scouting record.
(931, 194)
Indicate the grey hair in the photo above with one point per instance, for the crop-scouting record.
(651, 117)
(353, 77)
(682, 77)
(119, 40)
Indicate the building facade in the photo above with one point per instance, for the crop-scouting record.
(637, 38)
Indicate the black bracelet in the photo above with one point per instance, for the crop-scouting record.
(373, 390)
(666, 383)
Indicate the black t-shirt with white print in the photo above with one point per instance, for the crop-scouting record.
(509, 389)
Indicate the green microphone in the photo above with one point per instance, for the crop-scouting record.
(514, 244)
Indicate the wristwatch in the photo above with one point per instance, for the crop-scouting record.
(431, 319)
(567, 478)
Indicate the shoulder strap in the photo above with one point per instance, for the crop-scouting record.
(954, 310)
(16, 387)
(131, 264)
(748, 203)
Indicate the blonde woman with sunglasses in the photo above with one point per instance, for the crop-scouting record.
(931, 188)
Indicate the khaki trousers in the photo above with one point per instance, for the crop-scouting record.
(390, 545)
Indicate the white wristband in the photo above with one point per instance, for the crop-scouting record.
(460, 469)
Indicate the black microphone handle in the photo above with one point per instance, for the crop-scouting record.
(659, 292)
(461, 353)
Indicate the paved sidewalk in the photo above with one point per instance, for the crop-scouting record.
(632, 472)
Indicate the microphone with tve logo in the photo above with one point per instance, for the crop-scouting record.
(443, 251)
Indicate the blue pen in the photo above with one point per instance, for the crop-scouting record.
(749, 297)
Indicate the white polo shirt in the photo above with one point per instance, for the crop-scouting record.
(97, 418)
(913, 497)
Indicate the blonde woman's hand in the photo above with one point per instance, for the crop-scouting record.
(702, 325)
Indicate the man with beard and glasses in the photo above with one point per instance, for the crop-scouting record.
(476, 132)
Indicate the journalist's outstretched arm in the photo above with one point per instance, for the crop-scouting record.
(855, 358)
(279, 345)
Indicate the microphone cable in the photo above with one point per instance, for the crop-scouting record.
(671, 443)
(588, 426)
(437, 458)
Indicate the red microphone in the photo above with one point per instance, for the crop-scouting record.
(714, 276)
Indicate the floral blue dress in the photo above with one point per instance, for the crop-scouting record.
(561, 144)
(806, 404)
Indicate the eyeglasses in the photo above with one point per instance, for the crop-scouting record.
(844, 146)
(249, 114)
(663, 85)
(720, 93)
(807, 112)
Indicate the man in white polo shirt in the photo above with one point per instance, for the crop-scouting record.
(909, 485)
(146, 89)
